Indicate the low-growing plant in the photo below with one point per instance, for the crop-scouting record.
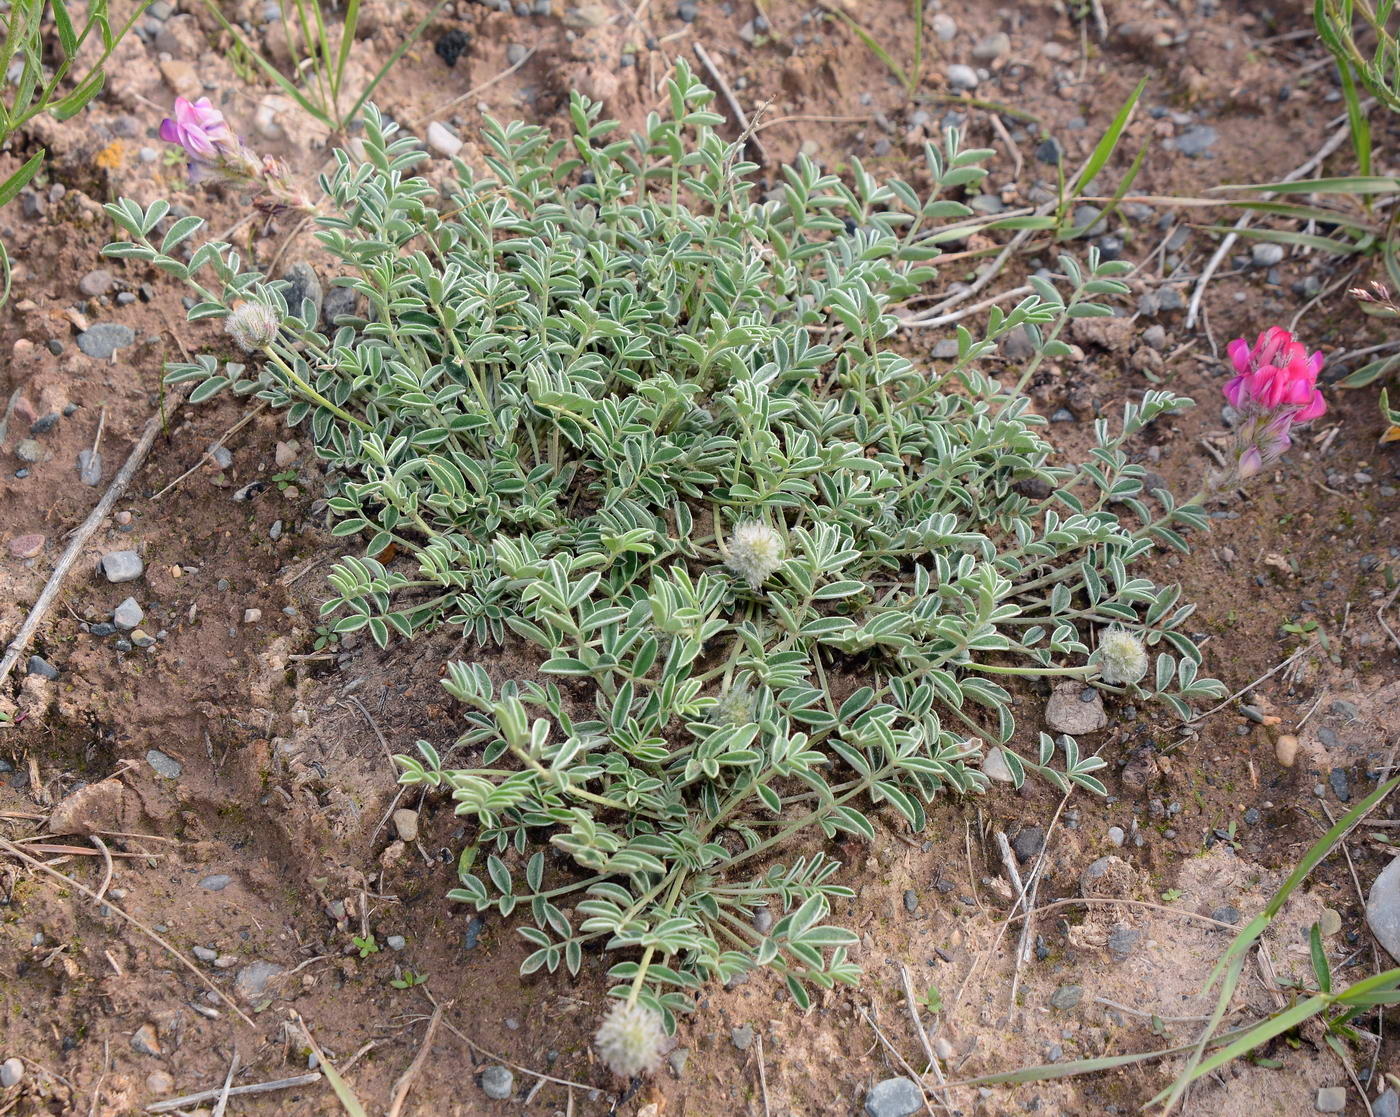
(609, 400)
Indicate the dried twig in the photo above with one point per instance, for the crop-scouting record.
(1246, 689)
(415, 1068)
(79, 541)
(762, 1075)
(208, 455)
(740, 117)
(882, 1038)
(913, 1006)
(1194, 308)
(170, 1105)
(222, 1103)
(107, 863)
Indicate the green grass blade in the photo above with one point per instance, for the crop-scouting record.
(399, 52)
(1326, 244)
(1357, 119)
(1108, 141)
(20, 179)
(268, 68)
(347, 40)
(1350, 184)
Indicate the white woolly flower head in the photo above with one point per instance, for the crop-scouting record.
(755, 551)
(630, 1039)
(1121, 657)
(252, 325)
(734, 707)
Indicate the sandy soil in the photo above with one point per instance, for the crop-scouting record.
(285, 786)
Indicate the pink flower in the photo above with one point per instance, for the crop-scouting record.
(1274, 387)
(199, 128)
(1276, 373)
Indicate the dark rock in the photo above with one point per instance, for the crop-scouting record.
(1050, 152)
(40, 666)
(1340, 787)
(1029, 842)
(341, 301)
(452, 45)
(1066, 997)
(302, 285)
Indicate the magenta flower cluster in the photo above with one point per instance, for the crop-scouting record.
(1275, 388)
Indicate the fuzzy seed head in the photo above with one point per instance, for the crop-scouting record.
(251, 325)
(755, 551)
(733, 708)
(1122, 658)
(630, 1039)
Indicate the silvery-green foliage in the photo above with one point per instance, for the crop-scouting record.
(579, 372)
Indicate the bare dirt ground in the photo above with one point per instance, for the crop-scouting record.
(242, 777)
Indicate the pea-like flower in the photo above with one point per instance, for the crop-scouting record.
(630, 1039)
(755, 551)
(1275, 387)
(252, 325)
(217, 155)
(200, 129)
(1121, 657)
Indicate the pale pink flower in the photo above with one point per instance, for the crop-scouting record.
(200, 129)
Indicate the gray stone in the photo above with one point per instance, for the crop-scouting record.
(122, 566)
(497, 1082)
(1195, 142)
(1070, 711)
(515, 54)
(302, 284)
(1387, 1105)
(102, 340)
(442, 140)
(340, 302)
(987, 204)
(90, 467)
(1066, 997)
(1331, 1099)
(960, 77)
(127, 615)
(1156, 337)
(1266, 254)
(1116, 835)
(676, 1060)
(204, 953)
(763, 920)
(995, 767)
(166, 766)
(944, 27)
(396, 942)
(1050, 152)
(911, 901)
(1337, 778)
(1383, 908)
(251, 981)
(1017, 345)
(95, 283)
(40, 666)
(894, 1097)
(741, 1038)
(44, 423)
(992, 47)
(144, 1041)
(1122, 941)
(11, 1073)
(216, 882)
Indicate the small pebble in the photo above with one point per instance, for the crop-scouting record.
(1116, 836)
(497, 1082)
(40, 666)
(742, 1038)
(396, 942)
(27, 546)
(406, 824)
(127, 615)
(1286, 749)
(11, 1073)
(1331, 1099)
(962, 77)
(894, 1097)
(1266, 254)
(122, 566)
(204, 953)
(252, 616)
(159, 1083)
(216, 882)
